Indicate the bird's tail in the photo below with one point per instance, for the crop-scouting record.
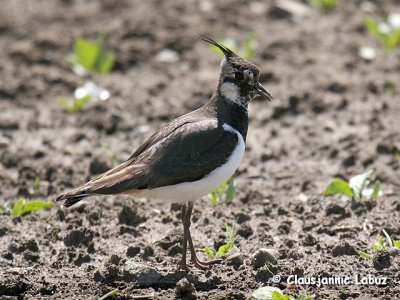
(72, 197)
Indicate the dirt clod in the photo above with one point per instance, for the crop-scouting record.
(78, 237)
(393, 251)
(129, 216)
(343, 248)
(184, 289)
(235, 260)
(98, 165)
(335, 209)
(245, 230)
(31, 256)
(263, 256)
(145, 276)
(382, 260)
(132, 251)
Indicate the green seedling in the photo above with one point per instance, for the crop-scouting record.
(230, 233)
(246, 51)
(36, 184)
(387, 32)
(109, 294)
(227, 188)
(91, 57)
(397, 155)
(388, 87)
(326, 4)
(355, 188)
(273, 293)
(74, 105)
(22, 206)
(381, 244)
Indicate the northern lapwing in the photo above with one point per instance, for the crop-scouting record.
(193, 154)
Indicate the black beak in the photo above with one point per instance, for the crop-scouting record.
(261, 91)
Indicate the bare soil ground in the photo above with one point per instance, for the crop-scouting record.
(333, 115)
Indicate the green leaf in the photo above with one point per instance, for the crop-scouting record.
(104, 62)
(74, 106)
(230, 232)
(22, 206)
(213, 197)
(91, 56)
(81, 102)
(37, 205)
(279, 296)
(365, 255)
(109, 294)
(393, 39)
(250, 45)
(389, 38)
(397, 155)
(210, 252)
(224, 249)
(36, 184)
(18, 207)
(327, 4)
(231, 191)
(376, 189)
(216, 195)
(305, 297)
(358, 183)
(372, 26)
(396, 243)
(379, 244)
(265, 293)
(338, 186)
(86, 52)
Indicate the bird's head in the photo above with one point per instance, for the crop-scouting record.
(239, 78)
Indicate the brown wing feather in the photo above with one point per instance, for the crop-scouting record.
(127, 175)
(187, 154)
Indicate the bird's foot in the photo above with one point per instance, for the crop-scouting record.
(201, 265)
(182, 266)
(204, 265)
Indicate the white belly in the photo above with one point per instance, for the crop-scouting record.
(190, 191)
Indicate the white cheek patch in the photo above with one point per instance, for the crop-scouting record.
(248, 75)
(230, 92)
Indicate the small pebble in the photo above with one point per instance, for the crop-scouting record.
(167, 56)
(130, 217)
(335, 209)
(394, 251)
(184, 288)
(343, 248)
(245, 230)
(382, 260)
(132, 251)
(263, 256)
(235, 260)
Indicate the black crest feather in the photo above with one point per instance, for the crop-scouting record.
(227, 52)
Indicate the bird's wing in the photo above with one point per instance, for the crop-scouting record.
(186, 153)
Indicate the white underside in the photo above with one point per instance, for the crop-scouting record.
(190, 191)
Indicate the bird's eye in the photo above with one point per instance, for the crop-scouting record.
(239, 75)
